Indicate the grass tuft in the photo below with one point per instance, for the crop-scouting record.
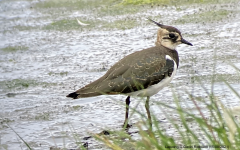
(212, 125)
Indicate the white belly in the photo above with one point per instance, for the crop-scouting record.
(154, 89)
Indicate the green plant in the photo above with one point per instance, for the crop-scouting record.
(14, 48)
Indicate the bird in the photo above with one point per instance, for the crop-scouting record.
(140, 74)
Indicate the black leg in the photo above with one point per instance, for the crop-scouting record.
(148, 112)
(126, 125)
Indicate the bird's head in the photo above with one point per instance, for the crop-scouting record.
(169, 36)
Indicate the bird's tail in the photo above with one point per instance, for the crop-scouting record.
(91, 90)
(73, 95)
(81, 93)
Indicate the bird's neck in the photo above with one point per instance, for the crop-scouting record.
(170, 52)
(174, 55)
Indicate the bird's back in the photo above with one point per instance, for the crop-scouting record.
(134, 72)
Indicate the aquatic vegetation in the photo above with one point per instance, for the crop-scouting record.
(72, 24)
(42, 116)
(208, 16)
(97, 14)
(14, 48)
(17, 84)
(63, 73)
(64, 24)
(77, 107)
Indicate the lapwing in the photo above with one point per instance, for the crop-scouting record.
(142, 73)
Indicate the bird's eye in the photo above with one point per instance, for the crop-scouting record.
(171, 35)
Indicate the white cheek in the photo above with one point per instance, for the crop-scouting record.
(169, 44)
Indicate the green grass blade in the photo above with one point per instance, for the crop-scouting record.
(20, 137)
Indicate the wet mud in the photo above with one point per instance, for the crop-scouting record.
(41, 64)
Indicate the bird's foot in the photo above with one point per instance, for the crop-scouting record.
(126, 126)
(104, 132)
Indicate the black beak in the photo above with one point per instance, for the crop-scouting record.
(186, 42)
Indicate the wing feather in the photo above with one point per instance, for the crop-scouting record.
(135, 72)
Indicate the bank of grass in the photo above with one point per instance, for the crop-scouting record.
(75, 4)
(98, 8)
(174, 2)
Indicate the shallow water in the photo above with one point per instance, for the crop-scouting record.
(55, 63)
